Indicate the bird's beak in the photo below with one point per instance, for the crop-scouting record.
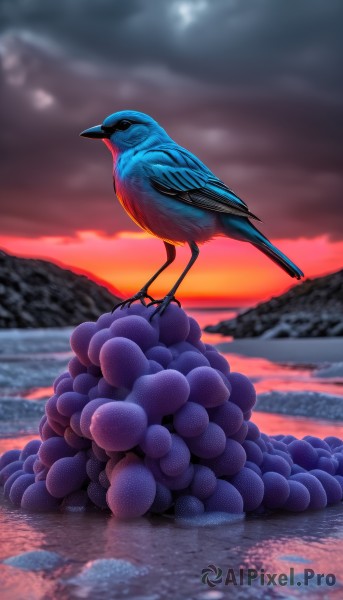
(94, 132)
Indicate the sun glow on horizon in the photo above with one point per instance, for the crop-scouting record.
(227, 272)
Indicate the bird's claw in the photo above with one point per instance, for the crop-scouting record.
(162, 305)
(141, 296)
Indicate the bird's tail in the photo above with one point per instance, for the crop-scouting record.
(243, 229)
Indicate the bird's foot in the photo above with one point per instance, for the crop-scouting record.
(162, 305)
(142, 295)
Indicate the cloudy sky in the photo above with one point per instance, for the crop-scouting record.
(253, 87)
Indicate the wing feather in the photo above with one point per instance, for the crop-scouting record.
(175, 172)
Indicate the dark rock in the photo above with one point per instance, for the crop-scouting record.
(311, 309)
(38, 293)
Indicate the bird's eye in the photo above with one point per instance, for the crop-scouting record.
(123, 125)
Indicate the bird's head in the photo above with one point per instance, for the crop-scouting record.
(126, 129)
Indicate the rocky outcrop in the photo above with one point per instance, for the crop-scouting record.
(38, 293)
(311, 309)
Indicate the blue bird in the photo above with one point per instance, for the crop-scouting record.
(171, 194)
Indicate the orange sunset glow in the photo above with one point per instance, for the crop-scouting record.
(227, 273)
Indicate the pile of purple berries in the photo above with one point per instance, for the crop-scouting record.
(148, 418)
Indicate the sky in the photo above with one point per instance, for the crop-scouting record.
(254, 88)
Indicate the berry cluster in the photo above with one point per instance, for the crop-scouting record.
(148, 418)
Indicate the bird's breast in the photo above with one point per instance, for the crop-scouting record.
(163, 216)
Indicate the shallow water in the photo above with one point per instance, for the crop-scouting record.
(173, 556)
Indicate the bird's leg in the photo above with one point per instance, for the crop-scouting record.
(170, 297)
(143, 293)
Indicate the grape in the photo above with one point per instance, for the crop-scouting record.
(209, 444)
(75, 423)
(100, 454)
(163, 499)
(157, 441)
(174, 325)
(284, 455)
(253, 452)
(41, 424)
(191, 420)
(296, 469)
(188, 506)
(180, 482)
(97, 494)
(122, 362)
(154, 367)
(87, 413)
(326, 464)
(108, 391)
(275, 463)
(275, 443)
(181, 348)
(47, 432)
(30, 448)
(137, 329)
(243, 392)
(241, 434)
(57, 427)
(59, 378)
(316, 442)
(250, 465)
(19, 486)
(84, 382)
(330, 484)
(80, 339)
(160, 354)
(96, 343)
(66, 475)
(37, 498)
(323, 452)
(333, 441)
(118, 425)
(189, 360)
(66, 385)
(105, 320)
(204, 482)
(10, 456)
(53, 449)
(74, 440)
(226, 498)
(259, 442)
(251, 488)
(299, 497)
(217, 361)
(38, 466)
(303, 454)
(177, 459)
(104, 480)
(52, 412)
(318, 498)
(254, 432)
(75, 367)
(276, 490)
(10, 468)
(194, 331)
(228, 416)
(160, 394)
(28, 463)
(132, 490)
(288, 439)
(94, 393)
(93, 468)
(69, 403)
(247, 415)
(10, 481)
(207, 387)
(339, 458)
(230, 461)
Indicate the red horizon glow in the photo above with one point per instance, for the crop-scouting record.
(227, 273)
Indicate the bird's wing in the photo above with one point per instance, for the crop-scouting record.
(181, 175)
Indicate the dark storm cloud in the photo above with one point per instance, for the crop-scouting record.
(253, 88)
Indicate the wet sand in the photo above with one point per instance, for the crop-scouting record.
(304, 350)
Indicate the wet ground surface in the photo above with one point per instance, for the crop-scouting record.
(92, 555)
